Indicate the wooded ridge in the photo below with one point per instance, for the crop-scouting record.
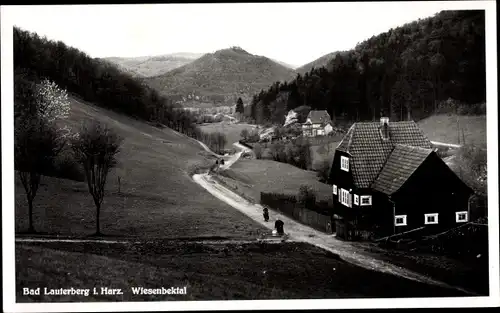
(405, 72)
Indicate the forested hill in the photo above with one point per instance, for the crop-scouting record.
(319, 62)
(94, 80)
(405, 72)
(220, 77)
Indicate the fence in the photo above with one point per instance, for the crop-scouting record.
(349, 231)
(289, 206)
(245, 144)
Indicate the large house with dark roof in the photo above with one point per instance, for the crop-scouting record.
(318, 123)
(386, 178)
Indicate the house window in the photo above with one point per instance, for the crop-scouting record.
(334, 189)
(431, 218)
(344, 163)
(400, 220)
(345, 197)
(462, 217)
(366, 200)
(356, 199)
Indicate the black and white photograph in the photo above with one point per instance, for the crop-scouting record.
(209, 156)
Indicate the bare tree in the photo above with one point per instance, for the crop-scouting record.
(257, 149)
(37, 144)
(96, 148)
(244, 134)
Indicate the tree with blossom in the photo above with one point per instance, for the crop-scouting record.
(37, 140)
(51, 101)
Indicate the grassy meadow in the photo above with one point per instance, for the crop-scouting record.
(157, 196)
(444, 128)
(209, 271)
(253, 176)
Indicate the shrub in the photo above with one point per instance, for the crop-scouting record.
(244, 134)
(300, 154)
(257, 149)
(274, 196)
(67, 167)
(324, 171)
(307, 197)
(452, 106)
(253, 136)
(443, 152)
(278, 152)
(472, 165)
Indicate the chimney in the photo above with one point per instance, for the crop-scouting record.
(384, 127)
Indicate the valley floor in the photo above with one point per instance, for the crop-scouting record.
(183, 236)
(431, 269)
(209, 271)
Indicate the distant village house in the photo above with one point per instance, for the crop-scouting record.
(318, 123)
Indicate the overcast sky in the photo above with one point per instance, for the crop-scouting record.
(295, 33)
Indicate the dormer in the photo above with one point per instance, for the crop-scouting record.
(384, 128)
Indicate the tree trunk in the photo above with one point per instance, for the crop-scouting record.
(98, 214)
(31, 229)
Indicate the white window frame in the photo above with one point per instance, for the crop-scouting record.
(356, 199)
(344, 198)
(334, 189)
(366, 197)
(400, 224)
(344, 163)
(457, 216)
(435, 215)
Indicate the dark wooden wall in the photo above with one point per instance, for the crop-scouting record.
(433, 188)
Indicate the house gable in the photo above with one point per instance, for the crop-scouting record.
(402, 162)
(370, 151)
(319, 117)
(434, 178)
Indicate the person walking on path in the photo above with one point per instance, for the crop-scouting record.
(266, 214)
(279, 227)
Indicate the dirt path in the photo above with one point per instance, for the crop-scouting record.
(235, 157)
(444, 144)
(300, 232)
(128, 241)
(207, 148)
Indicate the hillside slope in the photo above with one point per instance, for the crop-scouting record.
(448, 128)
(319, 62)
(284, 64)
(157, 196)
(154, 65)
(221, 77)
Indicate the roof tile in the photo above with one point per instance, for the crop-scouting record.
(317, 117)
(369, 151)
(400, 165)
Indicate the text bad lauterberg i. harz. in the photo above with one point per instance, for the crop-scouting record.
(103, 291)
